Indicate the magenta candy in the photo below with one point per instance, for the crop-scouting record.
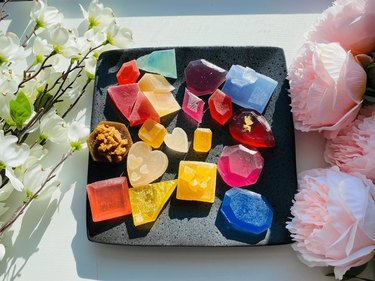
(193, 106)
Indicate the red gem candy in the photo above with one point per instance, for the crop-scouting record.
(124, 97)
(220, 107)
(250, 128)
(128, 73)
(142, 111)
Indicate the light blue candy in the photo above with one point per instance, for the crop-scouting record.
(249, 89)
(161, 62)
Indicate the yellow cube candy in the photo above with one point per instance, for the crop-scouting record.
(196, 181)
(202, 140)
(152, 133)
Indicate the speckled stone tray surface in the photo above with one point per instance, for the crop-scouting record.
(184, 223)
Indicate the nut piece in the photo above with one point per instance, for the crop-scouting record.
(109, 142)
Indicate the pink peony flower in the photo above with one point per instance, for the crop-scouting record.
(334, 219)
(353, 150)
(326, 88)
(348, 22)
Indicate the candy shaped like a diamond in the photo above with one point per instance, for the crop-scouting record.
(249, 89)
(128, 73)
(142, 111)
(196, 181)
(164, 104)
(145, 165)
(193, 106)
(155, 83)
(203, 77)
(109, 199)
(220, 106)
(162, 62)
(202, 140)
(124, 97)
(251, 129)
(240, 166)
(148, 201)
(177, 140)
(247, 211)
(152, 133)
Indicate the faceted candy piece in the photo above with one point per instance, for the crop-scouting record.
(250, 128)
(162, 62)
(203, 77)
(220, 106)
(248, 88)
(164, 104)
(196, 181)
(142, 111)
(109, 142)
(128, 73)
(148, 201)
(155, 83)
(240, 166)
(109, 199)
(124, 97)
(193, 106)
(152, 133)
(247, 211)
(144, 165)
(202, 140)
(177, 140)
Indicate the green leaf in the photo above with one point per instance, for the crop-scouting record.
(20, 109)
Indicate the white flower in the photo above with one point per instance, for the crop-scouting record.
(97, 17)
(37, 153)
(90, 67)
(120, 37)
(45, 16)
(10, 49)
(41, 49)
(12, 155)
(53, 127)
(77, 135)
(56, 36)
(2, 251)
(5, 191)
(33, 179)
(4, 107)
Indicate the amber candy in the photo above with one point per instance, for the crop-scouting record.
(109, 142)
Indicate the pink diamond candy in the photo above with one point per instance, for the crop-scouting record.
(193, 106)
(240, 166)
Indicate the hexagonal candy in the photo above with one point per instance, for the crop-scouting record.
(220, 106)
(203, 77)
(240, 166)
(128, 73)
(247, 211)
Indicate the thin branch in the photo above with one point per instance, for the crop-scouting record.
(2, 11)
(19, 211)
(28, 37)
(77, 99)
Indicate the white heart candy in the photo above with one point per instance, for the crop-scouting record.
(177, 141)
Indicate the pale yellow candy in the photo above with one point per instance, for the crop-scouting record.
(177, 140)
(163, 104)
(202, 140)
(152, 133)
(155, 83)
(144, 165)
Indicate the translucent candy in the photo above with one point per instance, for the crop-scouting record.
(193, 106)
(155, 83)
(202, 140)
(177, 140)
(162, 62)
(128, 73)
(164, 104)
(152, 133)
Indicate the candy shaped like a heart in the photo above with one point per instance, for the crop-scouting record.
(177, 141)
(145, 165)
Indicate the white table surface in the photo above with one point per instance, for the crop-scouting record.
(55, 247)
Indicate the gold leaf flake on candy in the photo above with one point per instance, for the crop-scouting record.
(247, 123)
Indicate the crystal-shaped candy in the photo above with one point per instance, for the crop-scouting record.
(247, 211)
(240, 166)
(177, 140)
(220, 106)
(202, 140)
(145, 165)
(148, 201)
(128, 73)
(196, 181)
(155, 83)
(142, 111)
(193, 106)
(249, 89)
(251, 129)
(109, 199)
(124, 97)
(162, 62)
(152, 133)
(203, 77)
(164, 104)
